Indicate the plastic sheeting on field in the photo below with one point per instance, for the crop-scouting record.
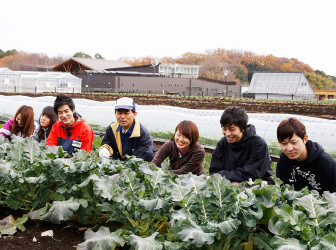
(158, 118)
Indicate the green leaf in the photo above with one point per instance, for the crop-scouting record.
(61, 211)
(221, 190)
(148, 243)
(294, 217)
(313, 206)
(287, 244)
(263, 241)
(31, 149)
(102, 239)
(266, 195)
(227, 226)
(154, 204)
(327, 242)
(278, 227)
(193, 233)
(331, 198)
(178, 192)
(37, 214)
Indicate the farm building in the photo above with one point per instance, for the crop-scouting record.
(325, 94)
(280, 85)
(165, 69)
(168, 78)
(140, 82)
(32, 81)
(76, 64)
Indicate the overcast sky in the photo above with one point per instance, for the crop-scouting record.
(302, 29)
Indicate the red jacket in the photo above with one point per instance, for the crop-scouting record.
(71, 138)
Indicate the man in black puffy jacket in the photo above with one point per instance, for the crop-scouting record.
(303, 163)
(126, 136)
(241, 154)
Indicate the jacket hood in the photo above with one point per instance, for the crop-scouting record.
(314, 150)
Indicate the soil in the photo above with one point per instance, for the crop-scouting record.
(320, 110)
(65, 237)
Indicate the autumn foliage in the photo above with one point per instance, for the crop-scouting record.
(240, 64)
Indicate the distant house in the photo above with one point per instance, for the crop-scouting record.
(76, 64)
(325, 94)
(37, 82)
(164, 69)
(280, 85)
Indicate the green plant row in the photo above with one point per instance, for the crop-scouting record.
(156, 209)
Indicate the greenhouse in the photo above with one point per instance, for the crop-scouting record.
(37, 82)
(281, 85)
(163, 119)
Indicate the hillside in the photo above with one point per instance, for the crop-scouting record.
(240, 64)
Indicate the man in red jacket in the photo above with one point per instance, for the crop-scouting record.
(71, 132)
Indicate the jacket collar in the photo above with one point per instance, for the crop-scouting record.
(135, 132)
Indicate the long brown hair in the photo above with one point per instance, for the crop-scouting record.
(27, 117)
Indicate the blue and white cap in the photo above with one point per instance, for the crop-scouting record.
(125, 103)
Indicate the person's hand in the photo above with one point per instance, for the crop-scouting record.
(264, 183)
(234, 183)
(104, 153)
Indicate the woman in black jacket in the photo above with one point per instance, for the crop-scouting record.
(47, 120)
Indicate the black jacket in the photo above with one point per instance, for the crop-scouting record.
(248, 158)
(317, 172)
(139, 144)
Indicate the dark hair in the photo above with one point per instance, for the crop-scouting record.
(63, 100)
(287, 128)
(27, 117)
(234, 115)
(189, 130)
(48, 111)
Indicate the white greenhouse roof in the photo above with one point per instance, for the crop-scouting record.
(49, 74)
(278, 83)
(2, 69)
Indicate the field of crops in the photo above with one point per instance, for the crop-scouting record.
(136, 205)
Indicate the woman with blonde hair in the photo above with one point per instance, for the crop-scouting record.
(22, 124)
(183, 150)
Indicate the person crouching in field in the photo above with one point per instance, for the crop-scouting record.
(241, 154)
(184, 153)
(47, 119)
(126, 136)
(303, 163)
(22, 124)
(71, 132)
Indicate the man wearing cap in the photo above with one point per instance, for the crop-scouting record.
(126, 136)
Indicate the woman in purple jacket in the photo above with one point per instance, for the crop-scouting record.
(184, 153)
(21, 125)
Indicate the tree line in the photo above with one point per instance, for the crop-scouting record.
(240, 65)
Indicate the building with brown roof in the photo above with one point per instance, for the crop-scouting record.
(76, 64)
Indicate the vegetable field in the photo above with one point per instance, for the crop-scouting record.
(136, 205)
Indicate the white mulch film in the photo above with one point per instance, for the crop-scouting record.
(158, 118)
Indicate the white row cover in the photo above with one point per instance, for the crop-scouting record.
(165, 118)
